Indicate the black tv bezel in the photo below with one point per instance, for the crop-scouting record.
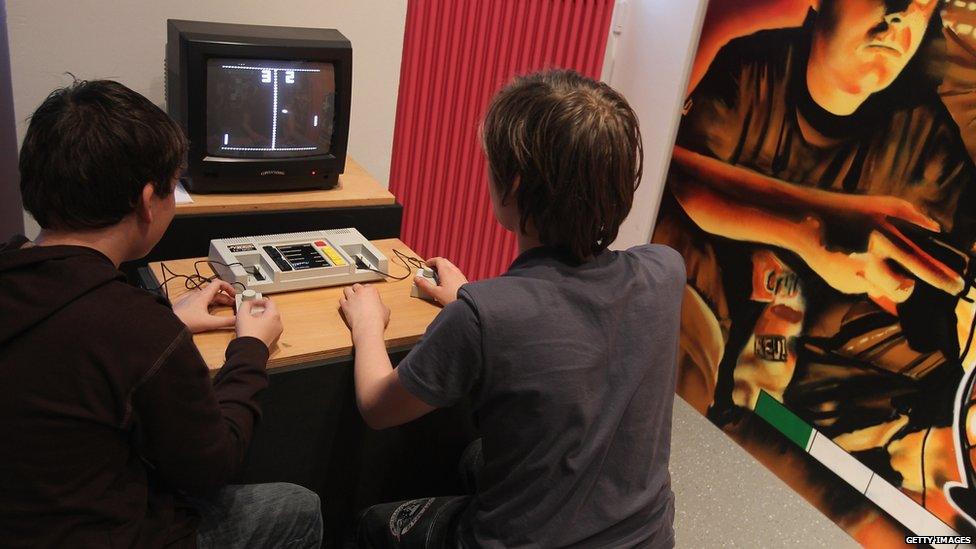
(198, 42)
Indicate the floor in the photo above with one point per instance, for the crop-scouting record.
(724, 498)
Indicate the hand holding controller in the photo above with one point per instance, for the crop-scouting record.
(443, 286)
(249, 295)
(430, 276)
(259, 318)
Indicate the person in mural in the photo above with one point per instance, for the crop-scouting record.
(825, 204)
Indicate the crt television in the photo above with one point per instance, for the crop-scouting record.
(265, 108)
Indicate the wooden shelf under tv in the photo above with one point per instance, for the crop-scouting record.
(356, 188)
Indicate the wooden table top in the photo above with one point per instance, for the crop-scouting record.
(356, 188)
(313, 328)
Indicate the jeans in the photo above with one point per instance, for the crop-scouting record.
(427, 523)
(259, 515)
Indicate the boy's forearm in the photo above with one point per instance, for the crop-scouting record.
(198, 442)
(372, 366)
(238, 383)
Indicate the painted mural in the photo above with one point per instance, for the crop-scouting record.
(823, 193)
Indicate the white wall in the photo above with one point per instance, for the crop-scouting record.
(649, 63)
(125, 40)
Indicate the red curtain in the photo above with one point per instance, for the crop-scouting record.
(456, 55)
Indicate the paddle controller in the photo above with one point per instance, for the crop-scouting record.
(430, 275)
(248, 295)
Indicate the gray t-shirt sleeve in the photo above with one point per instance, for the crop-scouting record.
(446, 364)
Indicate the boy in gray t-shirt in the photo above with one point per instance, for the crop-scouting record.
(569, 357)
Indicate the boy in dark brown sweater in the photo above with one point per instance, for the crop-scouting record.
(113, 433)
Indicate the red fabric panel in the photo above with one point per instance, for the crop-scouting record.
(456, 55)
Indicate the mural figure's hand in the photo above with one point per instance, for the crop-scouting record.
(888, 269)
(744, 205)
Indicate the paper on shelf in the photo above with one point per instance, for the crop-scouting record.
(182, 197)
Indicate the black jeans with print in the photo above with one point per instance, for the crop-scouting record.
(427, 523)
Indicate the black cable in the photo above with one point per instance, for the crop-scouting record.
(417, 263)
(166, 279)
(197, 280)
(193, 281)
(215, 276)
(925, 440)
(387, 275)
(407, 261)
(969, 340)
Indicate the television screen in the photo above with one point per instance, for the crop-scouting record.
(269, 109)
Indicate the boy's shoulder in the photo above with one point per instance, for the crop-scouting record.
(501, 299)
(660, 256)
(661, 266)
(75, 295)
(136, 303)
(498, 291)
(128, 329)
(120, 309)
(662, 269)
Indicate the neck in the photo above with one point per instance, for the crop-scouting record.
(526, 242)
(108, 241)
(833, 100)
(826, 92)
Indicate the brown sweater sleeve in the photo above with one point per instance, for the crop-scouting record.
(194, 432)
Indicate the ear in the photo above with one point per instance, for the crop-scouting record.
(144, 205)
(511, 191)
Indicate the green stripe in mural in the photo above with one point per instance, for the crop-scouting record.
(784, 420)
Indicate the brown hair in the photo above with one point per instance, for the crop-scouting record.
(575, 146)
(90, 149)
